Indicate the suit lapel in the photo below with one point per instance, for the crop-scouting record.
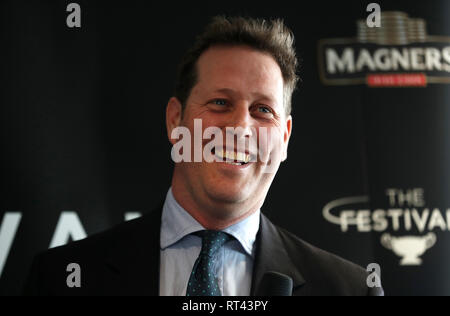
(271, 255)
(134, 261)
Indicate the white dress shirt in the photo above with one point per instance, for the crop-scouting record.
(180, 249)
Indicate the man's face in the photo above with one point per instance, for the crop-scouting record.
(236, 87)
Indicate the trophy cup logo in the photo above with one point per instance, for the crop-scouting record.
(415, 225)
(410, 248)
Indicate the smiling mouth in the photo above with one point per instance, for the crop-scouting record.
(231, 157)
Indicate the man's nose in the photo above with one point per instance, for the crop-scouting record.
(241, 117)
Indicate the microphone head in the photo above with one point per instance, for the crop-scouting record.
(275, 284)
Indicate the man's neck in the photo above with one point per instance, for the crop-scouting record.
(215, 216)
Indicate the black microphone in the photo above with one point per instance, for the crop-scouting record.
(275, 284)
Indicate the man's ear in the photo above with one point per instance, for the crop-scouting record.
(286, 137)
(174, 112)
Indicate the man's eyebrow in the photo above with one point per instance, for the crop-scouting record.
(256, 95)
(227, 91)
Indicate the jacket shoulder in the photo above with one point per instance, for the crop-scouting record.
(96, 245)
(325, 273)
(49, 269)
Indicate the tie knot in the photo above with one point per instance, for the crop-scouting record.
(212, 240)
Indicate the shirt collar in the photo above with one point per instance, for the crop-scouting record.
(177, 223)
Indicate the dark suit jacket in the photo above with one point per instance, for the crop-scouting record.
(125, 261)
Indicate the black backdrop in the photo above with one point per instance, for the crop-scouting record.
(82, 125)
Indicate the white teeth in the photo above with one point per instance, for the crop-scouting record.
(242, 157)
(231, 155)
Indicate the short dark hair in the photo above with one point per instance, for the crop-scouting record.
(268, 36)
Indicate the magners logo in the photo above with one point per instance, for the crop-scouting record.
(397, 54)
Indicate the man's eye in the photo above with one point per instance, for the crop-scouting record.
(220, 102)
(264, 109)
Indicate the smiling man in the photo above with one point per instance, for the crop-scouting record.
(210, 237)
(236, 86)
